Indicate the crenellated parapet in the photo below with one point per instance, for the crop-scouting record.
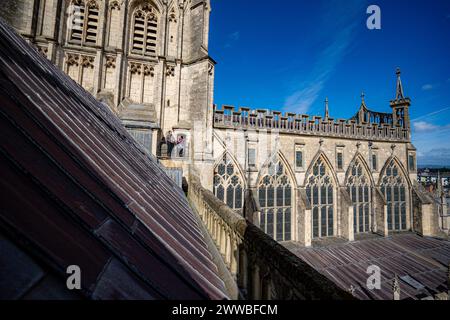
(245, 118)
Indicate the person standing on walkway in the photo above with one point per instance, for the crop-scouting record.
(170, 143)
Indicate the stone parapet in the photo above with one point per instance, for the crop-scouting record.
(262, 267)
(228, 118)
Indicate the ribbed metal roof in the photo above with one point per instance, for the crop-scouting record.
(415, 260)
(78, 190)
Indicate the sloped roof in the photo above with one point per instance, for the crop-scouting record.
(420, 262)
(78, 190)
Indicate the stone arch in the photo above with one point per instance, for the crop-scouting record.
(400, 166)
(359, 183)
(359, 157)
(229, 183)
(276, 196)
(321, 155)
(172, 29)
(151, 11)
(235, 162)
(322, 187)
(286, 164)
(83, 24)
(158, 4)
(395, 186)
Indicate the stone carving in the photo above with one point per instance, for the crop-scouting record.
(170, 71)
(93, 5)
(396, 288)
(87, 61)
(115, 5)
(135, 68)
(149, 71)
(72, 59)
(110, 62)
(43, 50)
(172, 16)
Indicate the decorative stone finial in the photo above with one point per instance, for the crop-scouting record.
(327, 114)
(393, 148)
(399, 95)
(363, 96)
(352, 290)
(396, 288)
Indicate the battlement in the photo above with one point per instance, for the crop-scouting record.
(288, 122)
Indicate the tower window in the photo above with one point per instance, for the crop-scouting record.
(85, 20)
(145, 31)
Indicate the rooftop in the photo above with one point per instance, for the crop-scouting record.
(421, 264)
(78, 190)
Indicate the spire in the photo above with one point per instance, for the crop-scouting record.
(363, 99)
(399, 95)
(439, 184)
(327, 113)
(396, 288)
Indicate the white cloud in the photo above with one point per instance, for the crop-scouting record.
(423, 126)
(232, 38)
(343, 25)
(302, 100)
(436, 156)
(427, 86)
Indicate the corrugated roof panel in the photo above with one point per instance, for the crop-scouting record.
(68, 154)
(402, 255)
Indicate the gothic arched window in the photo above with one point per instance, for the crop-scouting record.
(275, 200)
(145, 30)
(320, 192)
(358, 186)
(394, 190)
(84, 21)
(228, 185)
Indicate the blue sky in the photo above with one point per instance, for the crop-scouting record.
(292, 54)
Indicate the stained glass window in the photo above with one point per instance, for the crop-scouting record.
(358, 187)
(320, 192)
(395, 190)
(228, 186)
(275, 199)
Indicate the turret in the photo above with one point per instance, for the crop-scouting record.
(400, 105)
(327, 113)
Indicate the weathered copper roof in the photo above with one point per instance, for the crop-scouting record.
(78, 190)
(420, 262)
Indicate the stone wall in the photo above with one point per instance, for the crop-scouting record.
(175, 84)
(274, 143)
(262, 267)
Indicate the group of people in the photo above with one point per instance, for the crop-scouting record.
(178, 144)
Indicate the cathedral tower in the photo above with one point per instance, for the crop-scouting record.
(146, 59)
